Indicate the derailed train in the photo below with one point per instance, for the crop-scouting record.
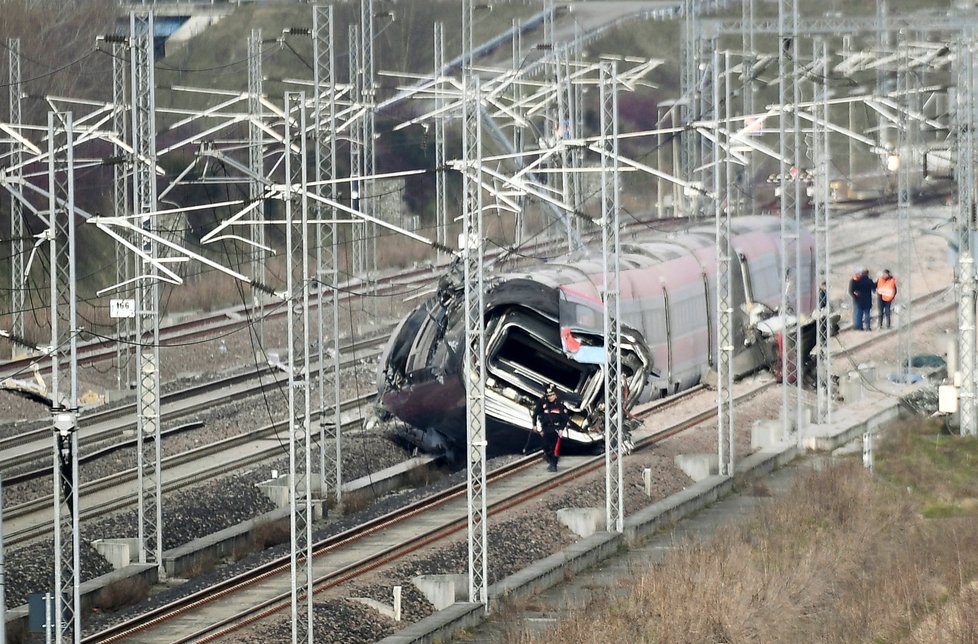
(544, 325)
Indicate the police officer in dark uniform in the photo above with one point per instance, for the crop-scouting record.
(549, 419)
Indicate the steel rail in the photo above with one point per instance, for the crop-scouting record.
(252, 380)
(43, 527)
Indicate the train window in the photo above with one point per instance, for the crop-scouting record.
(580, 313)
(525, 354)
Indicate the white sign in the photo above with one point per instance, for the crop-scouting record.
(122, 308)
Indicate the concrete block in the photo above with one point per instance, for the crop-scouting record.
(318, 509)
(698, 466)
(118, 552)
(867, 371)
(277, 491)
(765, 434)
(380, 607)
(851, 387)
(440, 589)
(115, 395)
(583, 521)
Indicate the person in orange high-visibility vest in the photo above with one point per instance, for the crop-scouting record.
(886, 290)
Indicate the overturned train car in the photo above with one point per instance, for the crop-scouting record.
(544, 325)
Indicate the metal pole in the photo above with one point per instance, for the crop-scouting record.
(256, 187)
(327, 269)
(368, 201)
(125, 262)
(441, 152)
(966, 340)
(18, 279)
(790, 208)
(64, 374)
(821, 148)
(562, 91)
(475, 348)
(906, 143)
(3, 576)
(147, 302)
(520, 224)
(359, 232)
(610, 253)
(300, 412)
(725, 407)
(48, 626)
(964, 120)
(689, 74)
(750, 57)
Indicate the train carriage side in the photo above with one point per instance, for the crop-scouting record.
(758, 246)
(671, 292)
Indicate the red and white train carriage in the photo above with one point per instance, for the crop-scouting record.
(543, 326)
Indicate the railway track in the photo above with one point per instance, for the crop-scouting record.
(34, 447)
(346, 557)
(109, 494)
(343, 557)
(852, 248)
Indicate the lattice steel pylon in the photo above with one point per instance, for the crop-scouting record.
(821, 156)
(610, 254)
(441, 151)
(15, 175)
(564, 92)
(964, 122)
(789, 94)
(576, 94)
(708, 152)
(368, 201)
(688, 88)
(256, 188)
(297, 268)
(519, 224)
(966, 340)
(64, 376)
(124, 260)
(475, 325)
(906, 144)
(725, 254)
(327, 253)
(747, 97)
(147, 327)
(358, 233)
(3, 574)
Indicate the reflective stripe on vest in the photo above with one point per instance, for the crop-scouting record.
(886, 289)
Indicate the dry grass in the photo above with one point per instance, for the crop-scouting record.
(357, 501)
(845, 557)
(201, 565)
(120, 594)
(17, 632)
(268, 534)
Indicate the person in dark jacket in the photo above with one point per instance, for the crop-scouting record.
(861, 288)
(549, 419)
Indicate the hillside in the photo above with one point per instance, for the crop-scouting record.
(62, 56)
